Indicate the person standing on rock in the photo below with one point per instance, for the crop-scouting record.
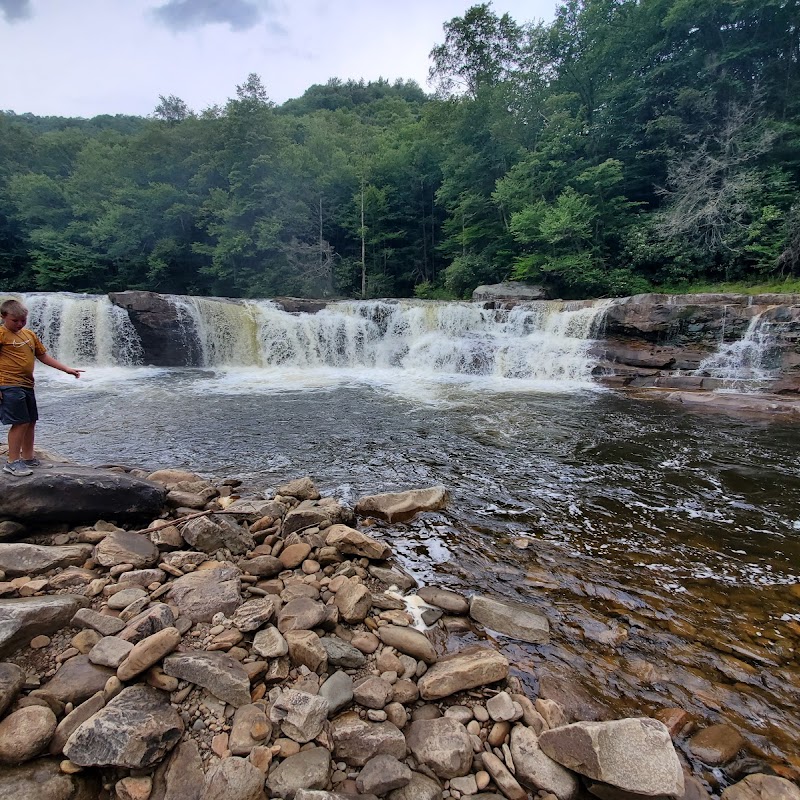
(19, 349)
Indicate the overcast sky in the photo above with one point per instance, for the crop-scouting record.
(88, 57)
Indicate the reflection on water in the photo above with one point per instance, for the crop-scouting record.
(663, 546)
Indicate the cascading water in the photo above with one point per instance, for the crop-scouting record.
(742, 363)
(83, 329)
(543, 341)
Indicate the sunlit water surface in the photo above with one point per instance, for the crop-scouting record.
(675, 534)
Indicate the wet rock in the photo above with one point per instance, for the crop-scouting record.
(76, 680)
(634, 754)
(252, 614)
(134, 730)
(31, 559)
(382, 774)
(356, 741)
(308, 769)
(234, 779)
(12, 679)
(451, 602)
(716, 745)
(341, 653)
(200, 595)
(269, 643)
(338, 691)
(392, 577)
(420, 787)
(408, 641)
(575, 701)
(23, 619)
(79, 494)
(217, 532)
(300, 715)
(513, 619)
(125, 547)
(350, 541)
(43, 780)
(442, 745)
(473, 667)
(762, 787)
(301, 488)
(402, 506)
(536, 770)
(25, 734)
(222, 675)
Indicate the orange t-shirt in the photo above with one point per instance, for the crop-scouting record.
(18, 352)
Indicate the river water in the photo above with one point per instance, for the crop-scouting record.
(663, 546)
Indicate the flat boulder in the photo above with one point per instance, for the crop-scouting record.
(76, 680)
(135, 730)
(634, 754)
(202, 594)
(125, 547)
(402, 506)
(30, 559)
(222, 675)
(79, 494)
(473, 667)
(352, 542)
(23, 618)
(517, 620)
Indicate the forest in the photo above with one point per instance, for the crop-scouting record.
(627, 146)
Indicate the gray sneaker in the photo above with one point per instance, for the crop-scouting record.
(17, 468)
(32, 462)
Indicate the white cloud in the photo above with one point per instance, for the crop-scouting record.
(91, 57)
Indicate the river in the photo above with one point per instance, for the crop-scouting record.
(663, 545)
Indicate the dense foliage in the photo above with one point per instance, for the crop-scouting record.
(628, 144)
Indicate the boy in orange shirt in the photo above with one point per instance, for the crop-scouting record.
(19, 347)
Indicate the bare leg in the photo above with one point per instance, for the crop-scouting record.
(16, 440)
(27, 441)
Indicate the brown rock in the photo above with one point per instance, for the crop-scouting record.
(468, 669)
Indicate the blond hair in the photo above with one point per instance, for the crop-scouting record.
(14, 308)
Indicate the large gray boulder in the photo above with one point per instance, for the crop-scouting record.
(79, 494)
(22, 619)
(31, 559)
(635, 754)
(509, 292)
(135, 730)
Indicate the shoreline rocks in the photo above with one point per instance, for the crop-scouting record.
(267, 663)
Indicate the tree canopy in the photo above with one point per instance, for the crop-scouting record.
(629, 144)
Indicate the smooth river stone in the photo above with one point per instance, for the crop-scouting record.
(126, 547)
(634, 754)
(402, 506)
(76, 680)
(442, 745)
(451, 602)
(408, 641)
(147, 652)
(762, 787)
(25, 733)
(513, 619)
(349, 540)
(477, 666)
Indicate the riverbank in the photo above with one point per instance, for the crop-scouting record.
(237, 642)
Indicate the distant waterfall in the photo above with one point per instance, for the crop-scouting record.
(744, 361)
(546, 341)
(83, 329)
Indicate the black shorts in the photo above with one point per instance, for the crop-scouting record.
(17, 406)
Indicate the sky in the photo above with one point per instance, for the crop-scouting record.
(87, 57)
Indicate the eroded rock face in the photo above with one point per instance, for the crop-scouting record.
(509, 292)
(636, 755)
(93, 494)
(135, 730)
(223, 676)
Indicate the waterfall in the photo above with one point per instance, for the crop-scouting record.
(81, 329)
(543, 341)
(743, 362)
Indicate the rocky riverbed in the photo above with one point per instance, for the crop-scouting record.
(247, 647)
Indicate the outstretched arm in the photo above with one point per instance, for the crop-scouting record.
(51, 362)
